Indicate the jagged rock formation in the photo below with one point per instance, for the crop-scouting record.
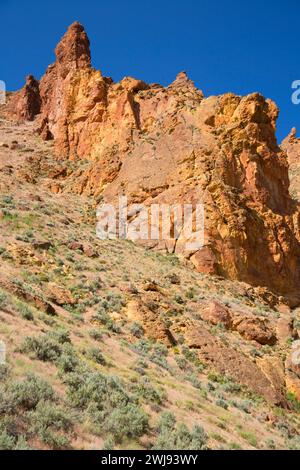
(291, 145)
(172, 145)
(26, 104)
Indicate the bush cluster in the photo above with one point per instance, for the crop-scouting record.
(177, 436)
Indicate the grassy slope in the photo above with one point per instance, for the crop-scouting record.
(105, 338)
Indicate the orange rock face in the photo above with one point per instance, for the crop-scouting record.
(172, 145)
(26, 104)
(249, 326)
(291, 144)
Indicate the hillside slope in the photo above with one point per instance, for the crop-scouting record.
(104, 337)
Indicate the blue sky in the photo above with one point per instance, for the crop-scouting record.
(225, 45)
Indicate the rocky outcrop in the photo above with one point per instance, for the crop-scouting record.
(291, 145)
(172, 145)
(232, 363)
(292, 372)
(254, 329)
(59, 295)
(58, 86)
(154, 327)
(251, 327)
(28, 295)
(217, 314)
(26, 104)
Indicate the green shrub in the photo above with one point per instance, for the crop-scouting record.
(160, 361)
(7, 200)
(46, 420)
(25, 311)
(160, 349)
(234, 446)
(96, 334)
(190, 293)
(127, 421)
(143, 346)
(158, 353)
(193, 379)
(232, 387)
(21, 444)
(140, 367)
(86, 387)
(181, 362)
(3, 300)
(105, 319)
(44, 348)
(270, 444)
(4, 372)
(218, 378)
(30, 391)
(142, 363)
(178, 437)
(143, 389)
(294, 402)
(109, 444)
(7, 442)
(244, 405)
(137, 330)
(25, 394)
(192, 357)
(54, 440)
(94, 354)
(68, 360)
(166, 420)
(293, 443)
(113, 302)
(107, 404)
(222, 403)
(179, 299)
(249, 437)
(47, 347)
(7, 402)
(211, 387)
(61, 335)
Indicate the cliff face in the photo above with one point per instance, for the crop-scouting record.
(172, 145)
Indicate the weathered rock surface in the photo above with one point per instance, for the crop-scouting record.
(273, 369)
(291, 145)
(292, 372)
(217, 313)
(249, 326)
(230, 362)
(23, 255)
(32, 297)
(59, 295)
(26, 104)
(139, 311)
(172, 145)
(254, 329)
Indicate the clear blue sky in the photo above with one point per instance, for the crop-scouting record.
(228, 45)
